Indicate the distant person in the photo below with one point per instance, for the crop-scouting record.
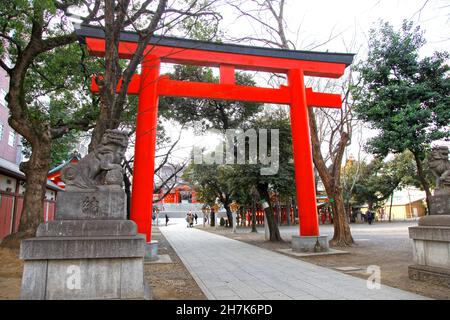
(167, 219)
(195, 217)
(323, 217)
(188, 220)
(370, 216)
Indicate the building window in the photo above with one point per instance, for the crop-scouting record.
(12, 138)
(1, 131)
(2, 97)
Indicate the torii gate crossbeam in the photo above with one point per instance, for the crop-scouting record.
(149, 85)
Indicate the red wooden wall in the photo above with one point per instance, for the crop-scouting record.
(11, 209)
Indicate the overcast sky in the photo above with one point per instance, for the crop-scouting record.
(346, 22)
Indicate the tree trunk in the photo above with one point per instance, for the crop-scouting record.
(36, 170)
(422, 179)
(100, 127)
(342, 236)
(331, 180)
(288, 211)
(212, 219)
(229, 216)
(294, 203)
(390, 206)
(254, 217)
(263, 190)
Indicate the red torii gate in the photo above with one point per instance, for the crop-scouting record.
(149, 85)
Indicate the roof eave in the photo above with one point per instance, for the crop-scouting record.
(84, 31)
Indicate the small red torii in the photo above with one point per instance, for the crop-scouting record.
(149, 85)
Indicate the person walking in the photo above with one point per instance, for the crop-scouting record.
(188, 220)
(370, 216)
(167, 219)
(195, 217)
(191, 219)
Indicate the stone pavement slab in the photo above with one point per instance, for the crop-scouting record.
(229, 269)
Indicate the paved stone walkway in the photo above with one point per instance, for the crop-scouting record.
(231, 269)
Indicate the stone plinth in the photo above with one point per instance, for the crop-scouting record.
(431, 249)
(309, 243)
(77, 259)
(87, 228)
(83, 279)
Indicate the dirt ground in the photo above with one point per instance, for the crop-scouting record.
(393, 261)
(169, 281)
(10, 274)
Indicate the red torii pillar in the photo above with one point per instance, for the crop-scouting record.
(301, 145)
(144, 159)
(149, 86)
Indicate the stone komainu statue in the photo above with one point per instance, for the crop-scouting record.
(101, 166)
(440, 166)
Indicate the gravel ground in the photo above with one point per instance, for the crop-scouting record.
(384, 244)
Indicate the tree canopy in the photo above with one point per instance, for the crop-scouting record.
(404, 97)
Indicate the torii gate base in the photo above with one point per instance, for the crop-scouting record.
(149, 85)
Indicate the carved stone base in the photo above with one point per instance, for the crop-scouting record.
(103, 204)
(76, 259)
(87, 228)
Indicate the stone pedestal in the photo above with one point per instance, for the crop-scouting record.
(83, 259)
(431, 249)
(309, 243)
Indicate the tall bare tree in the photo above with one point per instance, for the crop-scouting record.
(331, 127)
(145, 19)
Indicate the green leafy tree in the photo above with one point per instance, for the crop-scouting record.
(205, 113)
(211, 183)
(38, 52)
(248, 176)
(404, 97)
(374, 182)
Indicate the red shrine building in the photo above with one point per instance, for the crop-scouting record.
(181, 193)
